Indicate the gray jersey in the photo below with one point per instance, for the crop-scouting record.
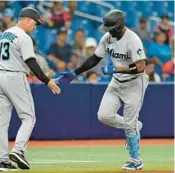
(16, 47)
(124, 52)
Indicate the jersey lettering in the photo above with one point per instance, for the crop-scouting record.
(113, 54)
(8, 36)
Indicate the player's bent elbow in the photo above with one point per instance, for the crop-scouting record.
(141, 69)
(140, 66)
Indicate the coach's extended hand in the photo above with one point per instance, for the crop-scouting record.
(53, 86)
(67, 77)
(108, 70)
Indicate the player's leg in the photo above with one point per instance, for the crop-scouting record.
(109, 106)
(5, 116)
(132, 104)
(20, 94)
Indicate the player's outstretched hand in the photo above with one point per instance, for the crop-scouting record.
(108, 70)
(67, 77)
(53, 86)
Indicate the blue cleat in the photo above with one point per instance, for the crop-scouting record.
(133, 164)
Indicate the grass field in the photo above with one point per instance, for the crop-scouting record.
(102, 159)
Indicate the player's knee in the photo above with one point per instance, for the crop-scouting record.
(102, 116)
(33, 121)
(30, 120)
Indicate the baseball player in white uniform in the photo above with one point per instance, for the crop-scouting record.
(128, 84)
(17, 58)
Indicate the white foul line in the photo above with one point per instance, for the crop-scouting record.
(62, 161)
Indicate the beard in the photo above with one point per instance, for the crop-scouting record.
(117, 32)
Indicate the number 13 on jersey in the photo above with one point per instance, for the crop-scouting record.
(4, 50)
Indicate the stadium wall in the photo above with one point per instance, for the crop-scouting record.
(73, 113)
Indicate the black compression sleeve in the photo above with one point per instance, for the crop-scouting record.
(35, 68)
(88, 64)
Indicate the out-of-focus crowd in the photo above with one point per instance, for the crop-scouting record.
(159, 48)
(63, 54)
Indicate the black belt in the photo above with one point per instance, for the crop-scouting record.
(10, 70)
(123, 81)
(13, 71)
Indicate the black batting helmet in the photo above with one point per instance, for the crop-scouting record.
(32, 13)
(112, 19)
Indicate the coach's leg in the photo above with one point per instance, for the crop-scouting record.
(24, 106)
(109, 106)
(21, 97)
(5, 115)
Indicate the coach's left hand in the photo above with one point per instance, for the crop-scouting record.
(108, 70)
(67, 77)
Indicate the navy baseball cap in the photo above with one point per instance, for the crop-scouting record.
(163, 16)
(62, 30)
(32, 13)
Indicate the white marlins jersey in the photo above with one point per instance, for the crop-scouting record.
(15, 48)
(124, 52)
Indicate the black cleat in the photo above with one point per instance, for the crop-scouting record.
(7, 167)
(20, 160)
